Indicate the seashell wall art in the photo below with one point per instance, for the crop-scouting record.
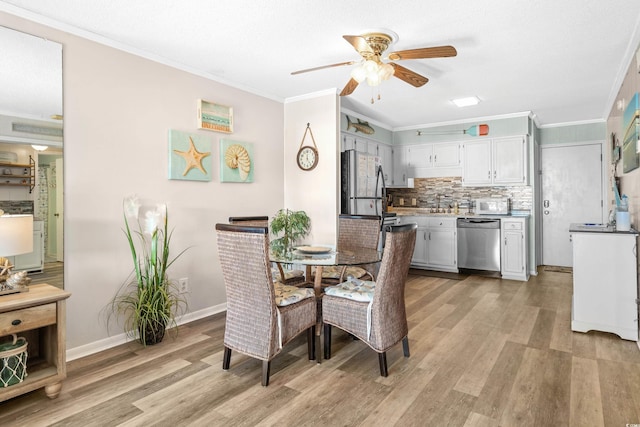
(189, 156)
(236, 161)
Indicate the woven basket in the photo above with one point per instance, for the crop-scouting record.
(13, 361)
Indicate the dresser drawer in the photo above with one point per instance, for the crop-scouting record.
(16, 321)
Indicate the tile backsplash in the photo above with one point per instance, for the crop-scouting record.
(15, 207)
(450, 190)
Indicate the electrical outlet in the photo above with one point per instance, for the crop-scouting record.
(183, 285)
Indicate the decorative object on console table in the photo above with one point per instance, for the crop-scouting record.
(475, 130)
(16, 237)
(151, 301)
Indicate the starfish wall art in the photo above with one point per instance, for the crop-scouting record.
(189, 156)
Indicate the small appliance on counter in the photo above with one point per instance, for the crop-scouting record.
(493, 206)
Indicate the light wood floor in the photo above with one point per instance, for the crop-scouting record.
(484, 352)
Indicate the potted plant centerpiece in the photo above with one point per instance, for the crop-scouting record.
(150, 301)
(294, 225)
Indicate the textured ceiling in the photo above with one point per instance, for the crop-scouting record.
(562, 60)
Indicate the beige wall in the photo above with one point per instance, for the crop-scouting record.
(316, 191)
(118, 109)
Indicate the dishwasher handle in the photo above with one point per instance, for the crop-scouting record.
(478, 223)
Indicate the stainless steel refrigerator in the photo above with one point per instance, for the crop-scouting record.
(363, 190)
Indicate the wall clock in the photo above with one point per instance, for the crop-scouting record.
(307, 158)
(307, 155)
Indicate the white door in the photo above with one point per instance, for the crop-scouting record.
(572, 185)
(60, 210)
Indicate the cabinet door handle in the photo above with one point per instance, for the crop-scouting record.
(505, 241)
(429, 235)
(16, 322)
(435, 158)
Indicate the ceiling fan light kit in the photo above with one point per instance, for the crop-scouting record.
(370, 46)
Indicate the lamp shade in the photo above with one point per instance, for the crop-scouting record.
(16, 234)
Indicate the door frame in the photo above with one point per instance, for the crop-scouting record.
(605, 178)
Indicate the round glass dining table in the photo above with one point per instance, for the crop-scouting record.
(321, 256)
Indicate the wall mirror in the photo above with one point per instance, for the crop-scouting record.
(31, 130)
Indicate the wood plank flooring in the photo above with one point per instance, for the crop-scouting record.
(484, 352)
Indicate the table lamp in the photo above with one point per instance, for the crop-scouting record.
(16, 237)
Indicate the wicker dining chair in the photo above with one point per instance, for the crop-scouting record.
(374, 312)
(262, 316)
(287, 276)
(355, 231)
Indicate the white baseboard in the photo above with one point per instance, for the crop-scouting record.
(107, 343)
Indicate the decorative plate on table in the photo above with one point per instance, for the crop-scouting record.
(314, 249)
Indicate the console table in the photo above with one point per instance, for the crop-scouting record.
(39, 316)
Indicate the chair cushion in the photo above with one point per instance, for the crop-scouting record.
(357, 290)
(288, 274)
(333, 272)
(286, 294)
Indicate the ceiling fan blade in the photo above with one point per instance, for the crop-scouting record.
(339, 64)
(359, 43)
(425, 52)
(349, 88)
(408, 76)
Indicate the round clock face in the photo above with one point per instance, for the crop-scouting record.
(307, 158)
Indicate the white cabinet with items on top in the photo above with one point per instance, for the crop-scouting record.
(493, 162)
(33, 261)
(363, 145)
(514, 233)
(436, 243)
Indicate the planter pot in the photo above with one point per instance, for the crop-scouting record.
(153, 333)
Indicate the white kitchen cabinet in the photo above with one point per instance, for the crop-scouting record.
(494, 162)
(400, 169)
(442, 247)
(513, 255)
(33, 261)
(436, 243)
(605, 283)
(426, 161)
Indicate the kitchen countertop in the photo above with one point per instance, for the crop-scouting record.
(598, 228)
(462, 213)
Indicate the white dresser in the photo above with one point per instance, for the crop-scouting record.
(605, 286)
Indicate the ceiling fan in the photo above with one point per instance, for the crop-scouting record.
(371, 46)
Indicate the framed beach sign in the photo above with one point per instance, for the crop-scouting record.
(216, 117)
(236, 161)
(189, 156)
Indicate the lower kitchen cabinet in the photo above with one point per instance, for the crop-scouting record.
(605, 284)
(514, 233)
(436, 243)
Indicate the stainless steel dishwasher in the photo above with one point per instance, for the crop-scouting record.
(479, 243)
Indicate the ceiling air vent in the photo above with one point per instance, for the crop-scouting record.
(36, 130)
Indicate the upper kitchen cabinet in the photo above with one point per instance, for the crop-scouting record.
(493, 162)
(426, 161)
(363, 145)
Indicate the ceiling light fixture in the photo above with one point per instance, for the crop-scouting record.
(466, 102)
(39, 147)
(373, 71)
